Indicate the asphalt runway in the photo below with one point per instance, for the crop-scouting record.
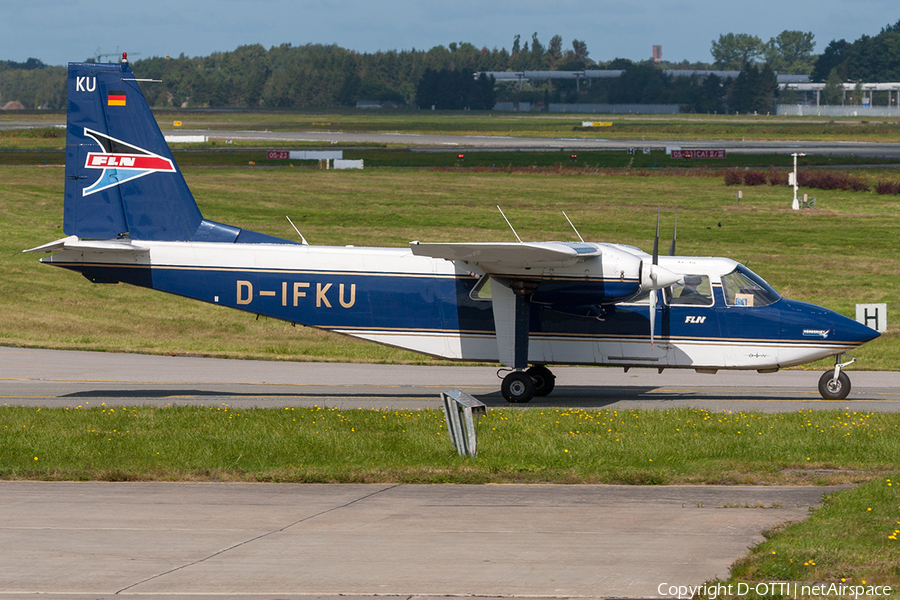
(52, 378)
(499, 142)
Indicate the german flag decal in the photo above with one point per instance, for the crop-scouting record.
(116, 99)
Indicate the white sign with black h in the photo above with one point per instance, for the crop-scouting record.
(872, 315)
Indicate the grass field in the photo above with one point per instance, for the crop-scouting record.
(90, 441)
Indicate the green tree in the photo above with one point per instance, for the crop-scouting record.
(537, 53)
(483, 97)
(580, 51)
(641, 83)
(791, 52)
(555, 52)
(875, 59)
(833, 93)
(42, 87)
(732, 51)
(710, 97)
(832, 58)
(857, 95)
(754, 90)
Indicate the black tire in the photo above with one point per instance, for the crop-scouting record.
(518, 387)
(544, 380)
(834, 390)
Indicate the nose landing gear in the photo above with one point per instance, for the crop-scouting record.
(835, 384)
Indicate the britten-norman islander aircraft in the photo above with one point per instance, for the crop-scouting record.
(131, 218)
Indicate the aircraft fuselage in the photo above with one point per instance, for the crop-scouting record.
(427, 305)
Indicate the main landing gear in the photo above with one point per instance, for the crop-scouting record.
(835, 384)
(521, 386)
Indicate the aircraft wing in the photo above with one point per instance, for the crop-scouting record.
(509, 253)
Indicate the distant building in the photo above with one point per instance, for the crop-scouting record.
(657, 54)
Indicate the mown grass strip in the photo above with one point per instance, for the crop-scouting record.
(85, 442)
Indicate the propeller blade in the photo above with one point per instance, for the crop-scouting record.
(652, 318)
(674, 235)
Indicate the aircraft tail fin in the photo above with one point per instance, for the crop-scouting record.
(121, 178)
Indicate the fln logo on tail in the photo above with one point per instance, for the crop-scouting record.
(119, 162)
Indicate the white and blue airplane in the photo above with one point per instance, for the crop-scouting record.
(131, 218)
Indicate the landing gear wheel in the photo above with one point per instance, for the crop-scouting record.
(518, 387)
(544, 380)
(834, 390)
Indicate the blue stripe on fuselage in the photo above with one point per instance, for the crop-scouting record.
(395, 301)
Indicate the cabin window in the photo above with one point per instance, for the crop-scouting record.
(743, 287)
(695, 291)
(482, 289)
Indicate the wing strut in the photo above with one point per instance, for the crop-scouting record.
(512, 315)
(511, 302)
(653, 292)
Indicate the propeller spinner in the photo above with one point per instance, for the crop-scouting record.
(656, 277)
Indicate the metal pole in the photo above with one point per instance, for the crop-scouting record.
(796, 203)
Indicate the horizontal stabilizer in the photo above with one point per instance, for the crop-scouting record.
(509, 253)
(73, 243)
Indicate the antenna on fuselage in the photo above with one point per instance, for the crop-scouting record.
(674, 234)
(510, 224)
(573, 226)
(302, 239)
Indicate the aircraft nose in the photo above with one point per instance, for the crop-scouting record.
(853, 331)
(826, 324)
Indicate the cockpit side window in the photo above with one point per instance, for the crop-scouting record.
(743, 287)
(695, 291)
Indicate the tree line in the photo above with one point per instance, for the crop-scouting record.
(315, 75)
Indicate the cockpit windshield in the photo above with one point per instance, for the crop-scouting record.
(743, 287)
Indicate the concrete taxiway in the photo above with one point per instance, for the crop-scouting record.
(171, 540)
(33, 377)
